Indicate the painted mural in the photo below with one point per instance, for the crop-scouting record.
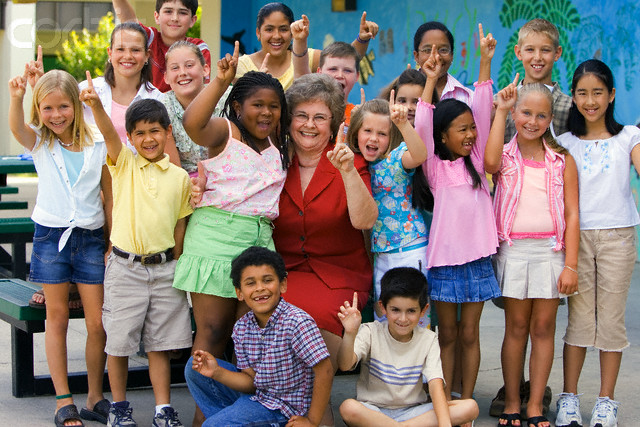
(588, 29)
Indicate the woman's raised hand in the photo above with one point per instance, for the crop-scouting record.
(487, 44)
(227, 65)
(341, 157)
(433, 65)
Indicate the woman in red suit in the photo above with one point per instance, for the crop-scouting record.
(325, 205)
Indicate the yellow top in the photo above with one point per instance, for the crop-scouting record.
(148, 200)
(245, 64)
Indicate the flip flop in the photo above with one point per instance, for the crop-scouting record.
(509, 418)
(534, 421)
(67, 413)
(99, 413)
(73, 296)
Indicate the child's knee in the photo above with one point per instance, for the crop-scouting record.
(349, 409)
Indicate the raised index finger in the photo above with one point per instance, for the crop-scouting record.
(355, 300)
(236, 49)
(39, 56)
(363, 19)
(516, 79)
(362, 97)
(480, 32)
(89, 81)
(305, 20)
(392, 97)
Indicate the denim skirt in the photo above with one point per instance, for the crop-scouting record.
(470, 282)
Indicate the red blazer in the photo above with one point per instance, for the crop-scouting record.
(315, 232)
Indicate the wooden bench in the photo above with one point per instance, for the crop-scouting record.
(18, 232)
(12, 204)
(25, 321)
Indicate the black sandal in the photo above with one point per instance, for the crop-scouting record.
(99, 413)
(537, 420)
(67, 413)
(509, 418)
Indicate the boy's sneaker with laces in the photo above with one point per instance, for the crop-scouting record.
(167, 417)
(568, 410)
(120, 415)
(605, 413)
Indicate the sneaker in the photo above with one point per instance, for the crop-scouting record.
(120, 415)
(167, 417)
(568, 410)
(605, 413)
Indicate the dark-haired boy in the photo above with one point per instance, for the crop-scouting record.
(175, 18)
(396, 355)
(150, 209)
(283, 371)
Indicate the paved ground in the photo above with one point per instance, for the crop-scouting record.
(39, 411)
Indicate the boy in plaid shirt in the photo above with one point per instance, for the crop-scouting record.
(283, 373)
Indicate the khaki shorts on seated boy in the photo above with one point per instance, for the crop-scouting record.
(396, 355)
(150, 209)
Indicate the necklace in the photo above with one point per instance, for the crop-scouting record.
(64, 144)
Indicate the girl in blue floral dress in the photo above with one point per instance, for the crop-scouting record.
(380, 131)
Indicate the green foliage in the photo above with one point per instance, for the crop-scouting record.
(86, 51)
(195, 30)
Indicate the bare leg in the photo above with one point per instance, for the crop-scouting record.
(118, 368)
(572, 362)
(517, 314)
(543, 330)
(160, 376)
(609, 369)
(470, 337)
(460, 411)
(447, 335)
(355, 414)
(92, 296)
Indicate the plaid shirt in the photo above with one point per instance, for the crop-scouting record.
(282, 355)
(561, 105)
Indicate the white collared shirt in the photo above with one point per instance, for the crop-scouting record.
(61, 204)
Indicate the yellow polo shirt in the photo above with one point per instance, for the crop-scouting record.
(148, 200)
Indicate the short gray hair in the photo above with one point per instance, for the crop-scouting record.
(318, 87)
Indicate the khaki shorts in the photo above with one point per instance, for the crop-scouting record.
(605, 264)
(140, 302)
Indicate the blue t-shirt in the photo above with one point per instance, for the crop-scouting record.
(398, 223)
(73, 160)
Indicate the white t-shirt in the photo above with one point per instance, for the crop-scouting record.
(392, 371)
(604, 177)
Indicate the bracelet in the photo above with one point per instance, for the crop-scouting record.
(361, 41)
(572, 269)
(63, 396)
(300, 55)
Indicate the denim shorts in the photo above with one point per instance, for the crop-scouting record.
(80, 261)
(470, 282)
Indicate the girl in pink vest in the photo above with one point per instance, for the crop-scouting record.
(536, 208)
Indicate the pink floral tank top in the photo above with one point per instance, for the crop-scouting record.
(242, 181)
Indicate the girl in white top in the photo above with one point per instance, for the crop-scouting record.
(603, 150)
(69, 239)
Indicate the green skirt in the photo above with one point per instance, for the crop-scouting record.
(213, 239)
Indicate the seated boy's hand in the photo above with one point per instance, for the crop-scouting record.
(298, 421)
(350, 316)
(204, 363)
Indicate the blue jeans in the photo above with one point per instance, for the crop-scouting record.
(223, 406)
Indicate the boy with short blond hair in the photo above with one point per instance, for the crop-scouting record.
(539, 49)
(396, 355)
(175, 18)
(150, 209)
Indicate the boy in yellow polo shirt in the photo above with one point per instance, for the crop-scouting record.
(150, 209)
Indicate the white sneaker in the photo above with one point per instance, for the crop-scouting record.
(568, 410)
(605, 413)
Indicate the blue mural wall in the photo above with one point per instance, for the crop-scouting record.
(588, 29)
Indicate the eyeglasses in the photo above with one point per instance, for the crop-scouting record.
(318, 119)
(442, 51)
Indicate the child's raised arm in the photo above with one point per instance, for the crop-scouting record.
(21, 131)
(416, 152)
(351, 318)
(197, 121)
(487, 50)
(207, 365)
(506, 99)
(124, 11)
(300, 50)
(111, 138)
(366, 32)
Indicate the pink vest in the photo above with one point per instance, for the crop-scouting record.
(508, 185)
